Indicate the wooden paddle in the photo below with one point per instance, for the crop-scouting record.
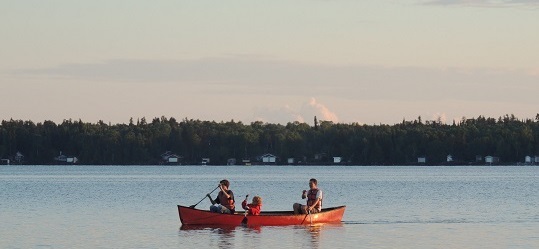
(244, 221)
(193, 206)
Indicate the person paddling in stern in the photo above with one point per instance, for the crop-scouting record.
(224, 199)
(314, 199)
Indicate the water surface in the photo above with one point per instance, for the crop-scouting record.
(387, 207)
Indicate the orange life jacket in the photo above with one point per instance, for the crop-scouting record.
(253, 209)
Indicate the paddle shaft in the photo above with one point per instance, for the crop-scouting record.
(244, 221)
(193, 206)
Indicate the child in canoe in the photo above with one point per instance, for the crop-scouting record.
(254, 207)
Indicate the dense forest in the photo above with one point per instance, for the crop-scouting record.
(143, 143)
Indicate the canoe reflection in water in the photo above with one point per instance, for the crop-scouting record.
(300, 236)
(221, 228)
(315, 231)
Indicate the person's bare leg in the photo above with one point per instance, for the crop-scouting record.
(304, 209)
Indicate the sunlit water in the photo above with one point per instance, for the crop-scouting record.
(387, 207)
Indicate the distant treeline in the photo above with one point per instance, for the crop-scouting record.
(142, 142)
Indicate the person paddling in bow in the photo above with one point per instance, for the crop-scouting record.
(314, 199)
(254, 207)
(224, 199)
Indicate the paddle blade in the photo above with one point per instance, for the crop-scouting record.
(244, 221)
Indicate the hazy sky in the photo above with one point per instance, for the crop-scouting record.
(278, 61)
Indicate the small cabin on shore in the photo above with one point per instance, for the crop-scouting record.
(492, 160)
(170, 158)
(268, 158)
(19, 158)
(63, 159)
(531, 159)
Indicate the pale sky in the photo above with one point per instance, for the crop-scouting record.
(277, 61)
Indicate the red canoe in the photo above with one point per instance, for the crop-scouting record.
(191, 216)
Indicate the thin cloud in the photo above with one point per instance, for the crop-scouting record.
(251, 76)
(236, 69)
(485, 3)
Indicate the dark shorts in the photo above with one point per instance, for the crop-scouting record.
(220, 209)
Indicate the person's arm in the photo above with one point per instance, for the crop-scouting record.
(229, 195)
(304, 195)
(314, 204)
(244, 203)
(212, 201)
(224, 192)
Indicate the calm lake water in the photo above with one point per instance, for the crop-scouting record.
(387, 207)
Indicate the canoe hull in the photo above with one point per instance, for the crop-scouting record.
(191, 216)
